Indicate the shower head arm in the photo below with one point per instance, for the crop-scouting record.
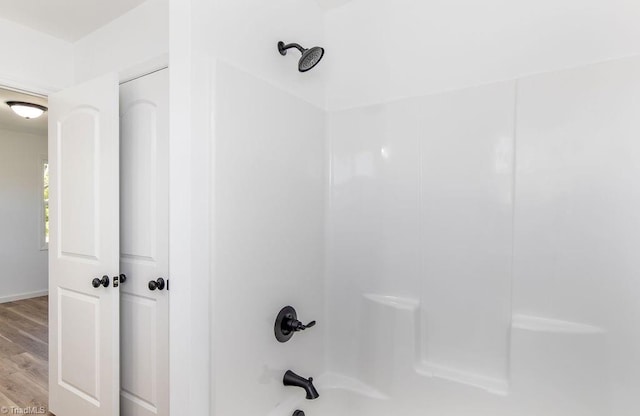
(282, 48)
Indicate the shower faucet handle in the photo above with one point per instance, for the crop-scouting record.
(309, 325)
(287, 324)
(295, 325)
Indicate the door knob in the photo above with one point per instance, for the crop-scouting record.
(156, 284)
(97, 282)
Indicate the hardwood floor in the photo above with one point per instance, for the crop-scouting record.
(23, 354)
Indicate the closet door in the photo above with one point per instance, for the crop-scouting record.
(144, 245)
(84, 250)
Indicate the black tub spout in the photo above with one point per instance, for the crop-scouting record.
(292, 379)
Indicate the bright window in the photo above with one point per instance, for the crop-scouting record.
(45, 204)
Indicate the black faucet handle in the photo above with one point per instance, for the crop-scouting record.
(296, 325)
(287, 324)
(309, 325)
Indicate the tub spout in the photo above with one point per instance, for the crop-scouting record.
(292, 379)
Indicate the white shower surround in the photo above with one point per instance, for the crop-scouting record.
(453, 244)
(436, 296)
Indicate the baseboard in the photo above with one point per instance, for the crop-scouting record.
(21, 296)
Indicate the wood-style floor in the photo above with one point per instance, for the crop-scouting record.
(23, 354)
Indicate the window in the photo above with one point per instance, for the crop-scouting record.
(45, 205)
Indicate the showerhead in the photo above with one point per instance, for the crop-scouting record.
(310, 57)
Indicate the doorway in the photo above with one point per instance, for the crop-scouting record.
(56, 368)
(24, 238)
(109, 254)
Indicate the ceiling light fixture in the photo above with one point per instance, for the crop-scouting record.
(27, 110)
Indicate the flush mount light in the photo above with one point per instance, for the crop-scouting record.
(27, 110)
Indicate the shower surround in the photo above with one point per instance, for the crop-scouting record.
(482, 242)
(464, 253)
(464, 235)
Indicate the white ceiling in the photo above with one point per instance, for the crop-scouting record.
(69, 20)
(11, 121)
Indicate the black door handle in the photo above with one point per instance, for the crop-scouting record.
(156, 284)
(98, 282)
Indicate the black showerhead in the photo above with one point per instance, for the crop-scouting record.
(310, 57)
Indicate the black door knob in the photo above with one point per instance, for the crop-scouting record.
(98, 282)
(156, 284)
(123, 278)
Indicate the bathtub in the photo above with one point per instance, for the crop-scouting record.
(339, 395)
(344, 396)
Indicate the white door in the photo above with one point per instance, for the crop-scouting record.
(144, 245)
(84, 214)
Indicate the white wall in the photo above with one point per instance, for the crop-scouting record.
(379, 49)
(139, 37)
(189, 222)
(40, 63)
(33, 60)
(24, 264)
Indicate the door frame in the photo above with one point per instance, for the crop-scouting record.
(183, 395)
